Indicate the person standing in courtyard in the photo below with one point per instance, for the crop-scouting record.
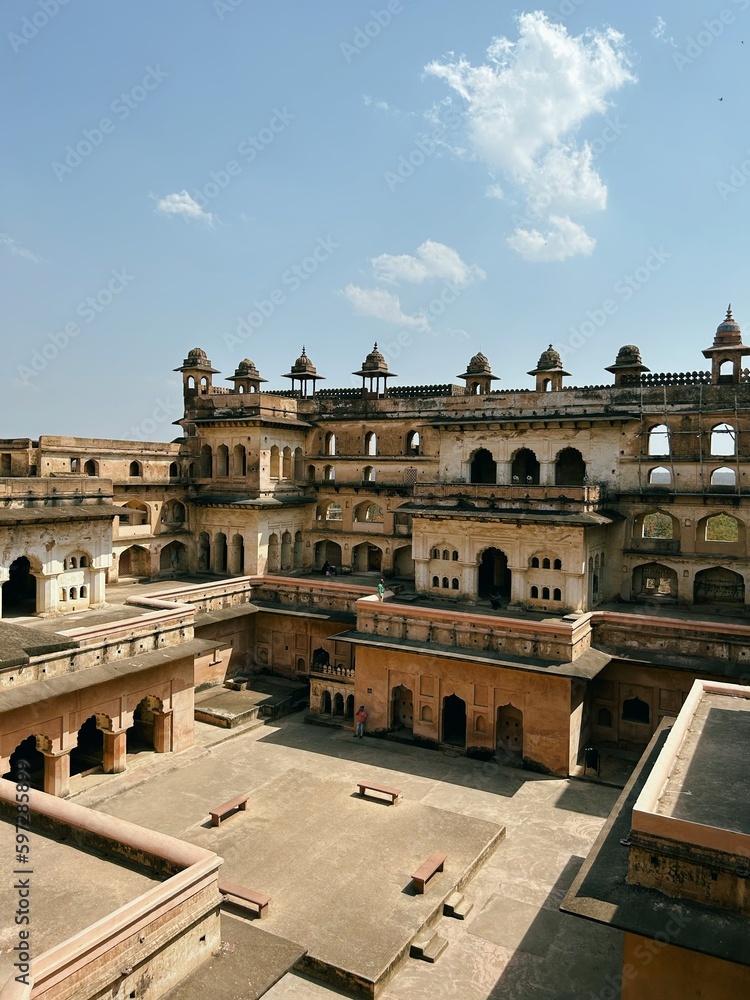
(361, 720)
(381, 589)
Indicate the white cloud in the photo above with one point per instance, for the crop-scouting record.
(433, 260)
(495, 191)
(381, 304)
(524, 106)
(182, 203)
(17, 250)
(564, 239)
(659, 32)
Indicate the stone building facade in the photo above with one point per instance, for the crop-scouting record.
(625, 502)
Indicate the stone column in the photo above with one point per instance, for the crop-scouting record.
(163, 731)
(421, 574)
(57, 772)
(97, 578)
(47, 595)
(114, 751)
(155, 562)
(4, 576)
(546, 473)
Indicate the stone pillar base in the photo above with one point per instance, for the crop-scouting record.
(115, 751)
(57, 773)
(163, 731)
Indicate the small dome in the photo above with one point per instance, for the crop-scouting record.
(303, 365)
(246, 367)
(479, 365)
(374, 361)
(549, 360)
(197, 354)
(629, 355)
(728, 331)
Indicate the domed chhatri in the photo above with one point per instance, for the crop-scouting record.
(628, 366)
(374, 368)
(304, 371)
(478, 376)
(197, 373)
(247, 377)
(549, 371)
(728, 331)
(727, 351)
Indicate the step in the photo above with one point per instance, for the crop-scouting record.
(457, 906)
(428, 946)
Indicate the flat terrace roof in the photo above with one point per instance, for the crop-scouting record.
(70, 888)
(698, 794)
(601, 892)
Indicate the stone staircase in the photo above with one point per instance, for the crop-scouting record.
(428, 946)
(457, 906)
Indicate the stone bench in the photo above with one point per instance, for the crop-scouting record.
(233, 892)
(382, 789)
(221, 812)
(426, 870)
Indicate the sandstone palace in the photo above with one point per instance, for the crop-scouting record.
(560, 563)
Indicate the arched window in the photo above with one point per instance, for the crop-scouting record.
(525, 468)
(174, 471)
(83, 592)
(74, 465)
(545, 563)
(329, 473)
(557, 594)
(604, 718)
(445, 583)
(239, 461)
(91, 468)
(311, 473)
(658, 440)
(724, 477)
(534, 593)
(545, 593)
(374, 514)
(334, 512)
(723, 440)
(635, 710)
(455, 556)
(446, 554)
(535, 562)
(73, 562)
(222, 460)
(287, 467)
(557, 564)
(330, 443)
(660, 476)
(135, 469)
(483, 469)
(84, 561)
(412, 443)
(371, 443)
(368, 474)
(435, 553)
(425, 713)
(206, 462)
(275, 463)
(658, 525)
(454, 583)
(722, 528)
(435, 581)
(74, 593)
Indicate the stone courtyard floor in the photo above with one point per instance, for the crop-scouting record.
(338, 866)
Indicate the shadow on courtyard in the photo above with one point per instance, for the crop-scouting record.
(555, 956)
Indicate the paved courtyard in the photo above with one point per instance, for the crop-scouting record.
(338, 866)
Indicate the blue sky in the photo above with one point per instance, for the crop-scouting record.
(440, 177)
